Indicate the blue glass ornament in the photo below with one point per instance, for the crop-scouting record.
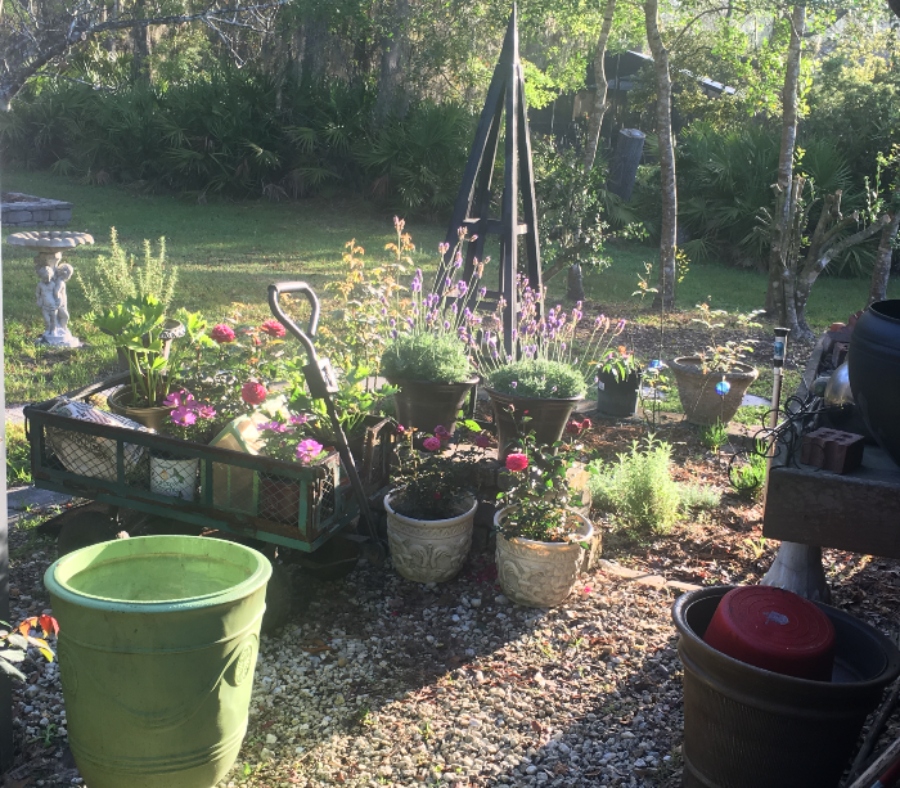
(723, 387)
(655, 364)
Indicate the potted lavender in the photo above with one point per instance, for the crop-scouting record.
(547, 373)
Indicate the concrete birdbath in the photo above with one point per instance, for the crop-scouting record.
(52, 276)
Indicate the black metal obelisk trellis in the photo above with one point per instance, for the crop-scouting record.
(506, 96)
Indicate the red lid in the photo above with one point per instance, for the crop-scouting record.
(773, 629)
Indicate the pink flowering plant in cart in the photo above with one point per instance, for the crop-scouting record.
(232, 366)
(287, 438)
(434, 472)
(191, 420)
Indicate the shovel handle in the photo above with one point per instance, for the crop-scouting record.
(278, 289)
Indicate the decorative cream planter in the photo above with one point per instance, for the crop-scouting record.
(429, 551)
(540, 574)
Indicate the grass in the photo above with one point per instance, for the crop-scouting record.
(228, 254)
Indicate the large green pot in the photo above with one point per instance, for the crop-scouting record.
(157, 648)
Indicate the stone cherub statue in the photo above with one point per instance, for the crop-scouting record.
(53, 301)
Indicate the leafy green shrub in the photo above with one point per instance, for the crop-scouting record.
(537, 377)
(638, 489)
(714, 436)
(747, 472)
(418, 160)
(436, 357)
(118, 277)
(699, 497)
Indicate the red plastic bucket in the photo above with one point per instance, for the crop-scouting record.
(775, 630)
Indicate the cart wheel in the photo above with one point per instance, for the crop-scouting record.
(279, 598)
(334, 560)
(77, 529)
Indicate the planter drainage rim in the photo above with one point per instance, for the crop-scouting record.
(471, 507)
(58, 574)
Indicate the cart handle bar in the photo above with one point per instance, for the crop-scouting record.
(275, 292)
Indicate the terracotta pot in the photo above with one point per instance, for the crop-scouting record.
(540, 574)
(154, 417)
(548, 418)
(429, 551)
(701, 402)
(618, 397)
(426, 405)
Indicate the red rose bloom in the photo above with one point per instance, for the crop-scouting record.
(253, 392)
(273, 328)
(431, 444)
(222, 333)
(516, 462)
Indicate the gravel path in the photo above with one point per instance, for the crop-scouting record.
(381, 681)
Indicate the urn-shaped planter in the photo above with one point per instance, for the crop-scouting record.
(157, 647)
(710, 397)
(429, 551)
(548, 417)
(874, 367)
(540, 574)
(425, 405)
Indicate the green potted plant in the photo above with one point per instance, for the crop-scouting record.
(712, 382)
(542, 538)
(137, 325)
(618, 382)
(426, 358)
(547, 372)
(431, 508)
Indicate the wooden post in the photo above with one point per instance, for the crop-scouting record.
(505, 97)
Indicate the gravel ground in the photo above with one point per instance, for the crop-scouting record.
(381, 681)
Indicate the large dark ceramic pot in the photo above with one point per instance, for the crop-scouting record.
(426, 405)
(548, 417)
(874, 361)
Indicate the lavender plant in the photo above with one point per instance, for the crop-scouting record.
(428, 329)
(553, 353)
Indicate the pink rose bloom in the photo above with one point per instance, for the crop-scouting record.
(253, 392)
(431, 443)
(222, 333)
(273, 328)
(441, 431)
(308, 450)
(516, 462)
(573, 427)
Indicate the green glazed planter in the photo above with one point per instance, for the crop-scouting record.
(157, 648)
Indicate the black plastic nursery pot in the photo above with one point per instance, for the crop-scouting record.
(617, 398)
(745, 727)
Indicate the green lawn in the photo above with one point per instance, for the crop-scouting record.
(228, 253)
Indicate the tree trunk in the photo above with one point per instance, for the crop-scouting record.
(393, 55)
(665, 297)
(881, 271)
(789, 120)
(599, 105)
(142, 46)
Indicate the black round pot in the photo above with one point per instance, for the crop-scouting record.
(616, 397)
(425, 405)
(874, 365)
(745, 727)
(547, 418)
